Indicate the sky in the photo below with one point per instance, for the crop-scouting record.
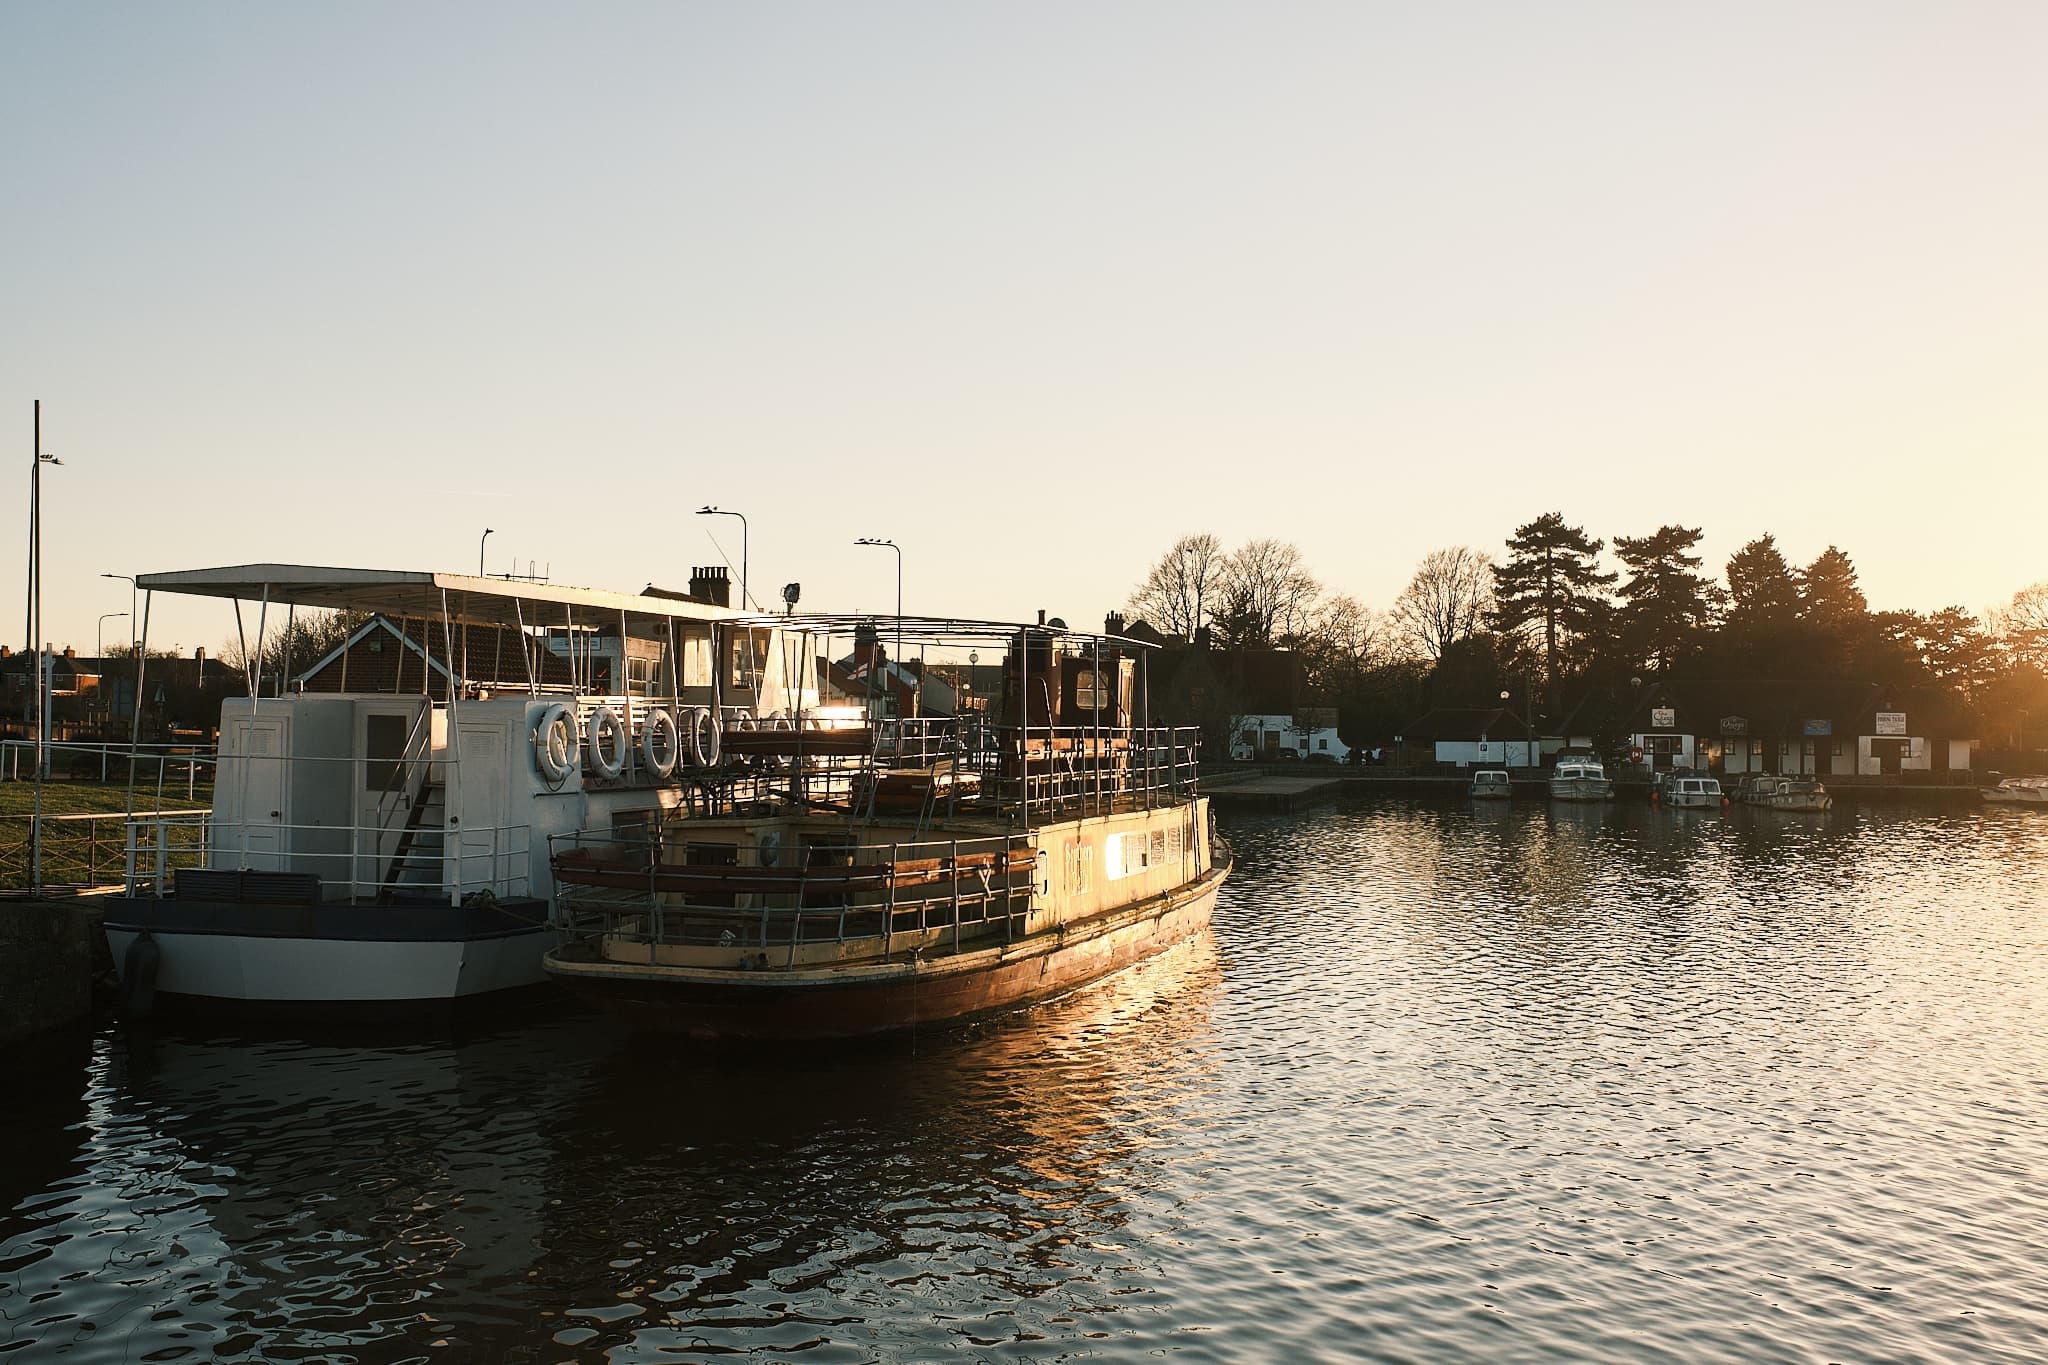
(1031, 290)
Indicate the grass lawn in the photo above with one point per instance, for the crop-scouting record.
(90, 798)
(81, 852)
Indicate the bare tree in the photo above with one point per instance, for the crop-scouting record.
(1182, 589)
(1268, 594)
(1341, 640)
(2022, 627)
(1445, 602)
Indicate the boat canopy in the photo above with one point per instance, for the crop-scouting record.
(511, 602)
(405, 592)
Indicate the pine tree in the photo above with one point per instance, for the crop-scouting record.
(1553, 576)
(1667, 602)
(1763, 610)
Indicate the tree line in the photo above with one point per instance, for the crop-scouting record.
(1561, 611)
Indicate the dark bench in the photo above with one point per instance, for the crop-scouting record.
(258, 888)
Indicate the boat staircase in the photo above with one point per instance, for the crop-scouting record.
(422, 843)
(417, 855)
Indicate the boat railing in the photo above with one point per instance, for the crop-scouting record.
(653, 890)
(933, 767)
(361, 861)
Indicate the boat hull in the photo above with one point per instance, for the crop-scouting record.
(331, 959)
(887, 997)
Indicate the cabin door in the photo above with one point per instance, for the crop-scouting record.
(482, 852)
(256, 838)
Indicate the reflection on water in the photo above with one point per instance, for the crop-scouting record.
(1455, 1081)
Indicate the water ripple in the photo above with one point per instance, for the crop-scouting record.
(1521, 1083)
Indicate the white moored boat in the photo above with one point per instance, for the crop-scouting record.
(385, 844)
(2019, 791)
(891, 870)
(1693, 792)
(1579, 777)
(1490, 784)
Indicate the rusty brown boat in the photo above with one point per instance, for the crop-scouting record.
(893, 858)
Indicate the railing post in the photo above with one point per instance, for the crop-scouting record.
(889, 914)
(953, 871)
(163, 860)
(128, 859)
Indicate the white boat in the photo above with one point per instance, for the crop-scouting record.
(1490, 784)
(2019, 791)
(904, 871)
(386, 846)
(1802, 794)
(1693, 793)
(1579, 777)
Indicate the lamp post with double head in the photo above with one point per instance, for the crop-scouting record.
(132, 617)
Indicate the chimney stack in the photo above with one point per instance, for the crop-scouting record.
(711, 585)
(1113, 624)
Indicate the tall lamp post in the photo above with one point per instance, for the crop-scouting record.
(480, 551)
(746, 602)
(100, 647)
(872, 540)
(131, 602)
(35, 628)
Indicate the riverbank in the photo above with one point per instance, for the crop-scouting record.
(50, 951)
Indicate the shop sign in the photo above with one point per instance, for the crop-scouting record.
(1663, 718)
(1813, 728)
(1734, 725)
(1891, 722)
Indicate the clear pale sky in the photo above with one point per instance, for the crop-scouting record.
(1032, 289)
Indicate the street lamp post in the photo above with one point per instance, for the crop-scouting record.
(132, 618)
(745, 600)
(480, 551)
(872, 540)
(100, 645)
(35, 627)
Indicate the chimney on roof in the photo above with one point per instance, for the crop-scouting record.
(1201, 637)
(199, 655)
(711, 585)
(70, 653)
(1113, 624)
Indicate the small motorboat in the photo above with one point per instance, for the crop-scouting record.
(1489, 784)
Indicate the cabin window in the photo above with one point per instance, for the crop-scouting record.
(695, 668)
(383, 751)
(643, 675)
(749, 649)
(712, 855)
(1091, 692)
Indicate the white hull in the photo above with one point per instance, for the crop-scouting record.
(247, 969)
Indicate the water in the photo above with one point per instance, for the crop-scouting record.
(1520, 1083)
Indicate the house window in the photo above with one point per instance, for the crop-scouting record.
(1322, 744)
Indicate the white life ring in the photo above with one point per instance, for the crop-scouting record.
(781, 724)
(768, 847)
(745, 720)
(661, 743)
(704, 738)
(605, 721)
(557, 749)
